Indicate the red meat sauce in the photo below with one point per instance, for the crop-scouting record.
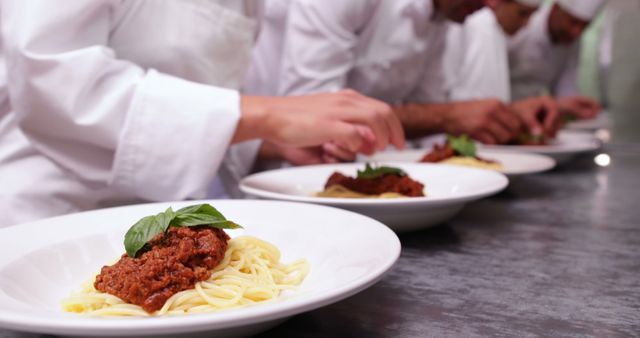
(440, 153)
(375, 186)
(169, 263)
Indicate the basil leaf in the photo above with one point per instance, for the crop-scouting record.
(370, 172)
(149, 227)
(200, 209)
(202, 214)
(212, 222)
(462, 145)
(531, 139)
(145, 230)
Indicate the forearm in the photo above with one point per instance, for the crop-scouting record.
(269, 151)
(421, 119)
(253, 111)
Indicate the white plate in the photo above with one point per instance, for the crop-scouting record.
(42, 262)
(513, 164)
(447, 187)
(565, 146)
(602, 121)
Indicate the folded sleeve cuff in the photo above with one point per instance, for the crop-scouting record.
(174, 139)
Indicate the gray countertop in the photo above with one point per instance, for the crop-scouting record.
(556, 255)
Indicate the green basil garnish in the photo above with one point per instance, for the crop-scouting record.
(148, 227)
(526, 138)
(370, 172)
(462, 145)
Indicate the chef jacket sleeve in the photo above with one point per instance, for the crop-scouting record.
(105, 120)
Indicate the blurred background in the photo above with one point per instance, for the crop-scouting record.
(610, 66)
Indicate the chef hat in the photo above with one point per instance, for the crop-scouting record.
(532, 3)
(582, 9)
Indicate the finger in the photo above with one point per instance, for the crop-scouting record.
(595, 105)
(498, 132)
(586, 101)
(350, 136)
(485, 137)
(592, 108)
(367, 148)
(303, 156)
(551, 116)
(531, 123)
(509, 118)
(396, 131)
(578, 107)
(336, 151)
(367, 115)
(364, 110)
(396, 134)
(326, 158)
(390, 120)
(509, 121)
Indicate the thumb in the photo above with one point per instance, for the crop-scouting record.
(531, 123)
(351, 137)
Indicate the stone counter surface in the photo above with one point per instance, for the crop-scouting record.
(554, 255)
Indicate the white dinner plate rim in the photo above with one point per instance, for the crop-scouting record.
(545, 162)
(587, 142)
(365, 202)
(199, 322)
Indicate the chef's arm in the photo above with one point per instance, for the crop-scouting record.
(488, 121)
(567, 93)
(357, 122)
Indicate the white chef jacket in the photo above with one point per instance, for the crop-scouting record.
(539, 67)
(264, 72)
(476, 63)
(387, 49)
(108, 102)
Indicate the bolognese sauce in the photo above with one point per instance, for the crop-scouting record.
(171, 262)
(443, 152)
(385, 183)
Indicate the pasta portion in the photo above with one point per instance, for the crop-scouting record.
(342, 192)
(250, 273)
(472, 162)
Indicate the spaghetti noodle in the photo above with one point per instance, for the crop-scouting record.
(340, 191)
(250, 273)
(473, 162)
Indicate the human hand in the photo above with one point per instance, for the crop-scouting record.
(355, 122)
(580, 107)
(488, 121)
(326, 153)
(539, 115)
(334, 153)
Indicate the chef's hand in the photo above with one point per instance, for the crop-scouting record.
(353, 121)
(580, 107)
(488, 121)
(539, 115)
(293, 155)
(326, 153)
(334, 153)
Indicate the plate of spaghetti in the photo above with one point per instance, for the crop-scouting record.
(404, 196)
(229, 268)
(566, 145)
(462, 151)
